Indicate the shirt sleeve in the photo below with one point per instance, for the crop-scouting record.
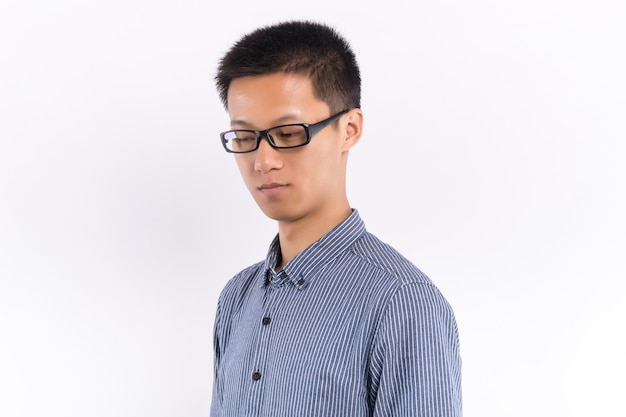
(415, 363)
(217, 388)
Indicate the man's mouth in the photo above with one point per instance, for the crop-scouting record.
(272, 189)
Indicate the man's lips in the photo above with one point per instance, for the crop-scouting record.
(271, 189)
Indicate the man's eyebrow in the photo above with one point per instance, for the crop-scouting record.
(289, 118)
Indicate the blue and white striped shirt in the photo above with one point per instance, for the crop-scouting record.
(348, 328)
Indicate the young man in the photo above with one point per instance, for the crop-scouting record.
(334, 322)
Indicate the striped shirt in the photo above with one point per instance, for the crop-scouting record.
(348, 328)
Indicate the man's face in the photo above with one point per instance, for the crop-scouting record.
(290, 184)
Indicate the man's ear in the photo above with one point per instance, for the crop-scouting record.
(353, 129)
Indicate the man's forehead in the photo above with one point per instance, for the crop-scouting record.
(273, 99)
(270, 87)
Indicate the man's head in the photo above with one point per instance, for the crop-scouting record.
(299, 47)
(293, 77)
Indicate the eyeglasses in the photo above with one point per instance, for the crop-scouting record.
(279, 137)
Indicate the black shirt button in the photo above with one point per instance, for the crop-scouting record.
(256, 376)
(266, 320)
(301, 281)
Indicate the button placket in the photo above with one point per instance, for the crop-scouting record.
(273, 287)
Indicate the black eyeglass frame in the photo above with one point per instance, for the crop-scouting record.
(310, 130)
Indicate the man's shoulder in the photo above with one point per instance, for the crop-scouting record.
(242, 280)
(389, 261)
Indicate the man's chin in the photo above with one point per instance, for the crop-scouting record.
(276, 214)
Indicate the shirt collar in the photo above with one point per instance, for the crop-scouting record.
(301, 268)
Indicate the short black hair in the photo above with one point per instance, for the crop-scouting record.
(301, 47)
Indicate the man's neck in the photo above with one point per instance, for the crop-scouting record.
(298, 235)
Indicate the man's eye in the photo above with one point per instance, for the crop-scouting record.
(242, 141)
(243, 138)
(288, 136)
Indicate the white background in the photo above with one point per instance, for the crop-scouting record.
(493, 157)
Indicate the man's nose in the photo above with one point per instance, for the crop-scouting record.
(267, 158)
